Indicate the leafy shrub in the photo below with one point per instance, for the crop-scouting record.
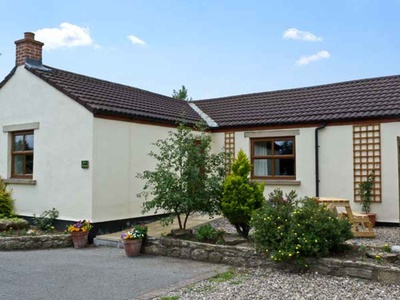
(294, 229)
(187, 178)
(241, 197)
(6, 201)
(46, 219)
(366, 193)
(208, 233)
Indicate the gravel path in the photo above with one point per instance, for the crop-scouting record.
(249, 284)
(266, 283)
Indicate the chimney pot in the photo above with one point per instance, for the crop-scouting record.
(29, 36)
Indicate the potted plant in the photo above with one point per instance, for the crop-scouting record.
(79, 233)
(366, 197)
(132, 239)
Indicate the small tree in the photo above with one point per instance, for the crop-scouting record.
(187, 177)
(181, 94)
(6, 200)
(366, 193)
(241, 197)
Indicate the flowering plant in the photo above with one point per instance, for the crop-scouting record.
(137, 232)
(83, 225)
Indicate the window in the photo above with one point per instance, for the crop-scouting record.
(22, 154)
(273, 158)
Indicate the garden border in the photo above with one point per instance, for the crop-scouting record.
(35, 242)
(246, 256)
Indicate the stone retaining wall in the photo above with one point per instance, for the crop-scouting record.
(35, 242)
(245, 256)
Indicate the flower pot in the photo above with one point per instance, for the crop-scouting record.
(80, 238)
(132, 247)
(372, 218)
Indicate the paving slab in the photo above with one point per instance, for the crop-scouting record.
(95, 273)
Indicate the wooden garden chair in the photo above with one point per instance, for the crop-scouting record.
(361, 226)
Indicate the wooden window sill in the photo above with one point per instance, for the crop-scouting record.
(278, 181)
(20, 181)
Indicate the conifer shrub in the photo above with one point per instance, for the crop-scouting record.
(240, 196)
(6, 201)
(291, 229)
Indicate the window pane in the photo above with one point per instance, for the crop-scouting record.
(29, 164)
(262, 148)
(19, 165)
(284, 167)
(262, 167)
(18, 143)
(29, 142)
(283, 147)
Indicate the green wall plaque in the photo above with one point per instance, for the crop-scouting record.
(85, 164)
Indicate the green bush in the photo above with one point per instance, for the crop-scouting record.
(187, 178)
(241, 197)
(294, 229)
(46, 219)
(6, 201)
(208, 233)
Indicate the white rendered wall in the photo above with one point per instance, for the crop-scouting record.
(120, 152)
(336, 165)
(389, 208)
(63, 139)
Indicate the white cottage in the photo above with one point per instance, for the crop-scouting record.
(76, 143)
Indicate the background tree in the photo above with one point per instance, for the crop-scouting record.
(181, 94)
(187, 177)
(241, 197)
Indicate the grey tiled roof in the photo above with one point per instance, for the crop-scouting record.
(351, 100)
(111, 99)
(373, 98)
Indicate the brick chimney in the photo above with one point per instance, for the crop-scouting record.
(28, 48)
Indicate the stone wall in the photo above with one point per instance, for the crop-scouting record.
(245, 256)
(231, 255)
(35, 242)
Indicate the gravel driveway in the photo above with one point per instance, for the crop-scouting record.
(94, 273)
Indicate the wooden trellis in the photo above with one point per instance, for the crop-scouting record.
(367, 158)
(229, 149)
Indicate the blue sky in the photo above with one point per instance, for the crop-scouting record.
(215, 48)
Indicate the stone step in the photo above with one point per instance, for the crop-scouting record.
(107, 242)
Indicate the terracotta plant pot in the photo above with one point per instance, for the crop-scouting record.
(372, 218)
(132, 247)
(80, 238)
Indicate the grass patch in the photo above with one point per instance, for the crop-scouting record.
(226, 276)
(170, 298)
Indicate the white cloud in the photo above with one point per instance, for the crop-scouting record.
(304, 60)
(66, 36)
(295, 34)
(135, 40)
